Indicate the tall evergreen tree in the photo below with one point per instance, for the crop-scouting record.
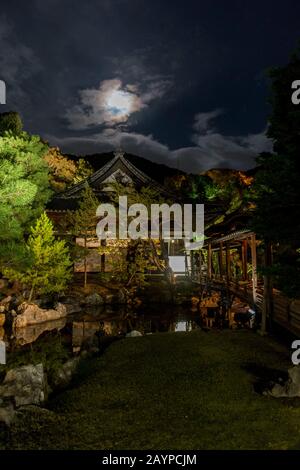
(10, 121)
(83, 222)
(277, 189)
(24, 188)
(48, 261)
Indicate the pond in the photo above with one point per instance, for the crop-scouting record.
(76, 330)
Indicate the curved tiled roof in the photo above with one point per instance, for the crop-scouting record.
(67, 200)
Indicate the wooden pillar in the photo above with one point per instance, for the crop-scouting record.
(187, 273)
(228, 273)
(268, 291)
(221, 260)
(244, 259)
(200, 267)
(192, 260)
(103, 243)
(254, 268)
(209, 261)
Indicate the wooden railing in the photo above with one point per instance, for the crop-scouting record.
(285, 311)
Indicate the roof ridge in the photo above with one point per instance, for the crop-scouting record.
(92, 179)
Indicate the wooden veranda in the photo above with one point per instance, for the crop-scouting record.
(232, 262)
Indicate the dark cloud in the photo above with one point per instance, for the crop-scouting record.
(18, 64)
(183, 85)
(212, 149)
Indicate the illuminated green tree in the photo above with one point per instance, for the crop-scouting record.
(82, 223)
(24, 188)
(48, 261)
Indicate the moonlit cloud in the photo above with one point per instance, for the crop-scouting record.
(214, 149)
(110, 139)
(109, 104)
(112, 103)
(203, 121)
(160, 84)
(211, 150)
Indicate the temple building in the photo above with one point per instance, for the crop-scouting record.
(118, 170)
(231, 257)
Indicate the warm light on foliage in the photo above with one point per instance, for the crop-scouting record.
(48, 269)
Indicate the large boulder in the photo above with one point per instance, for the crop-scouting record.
(31, 314)
(291, 388)
(133, 334)
(94, 299)
(63, 376)
(7, 413)
(73, 307)
(25, 385)
(117, 297)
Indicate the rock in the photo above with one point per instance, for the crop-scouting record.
(294, 375)
(6, 301)
(31, 314)
(62, 378)
(72, 308)
(2, 319)
(60, 309)
(119, 297)
(277, 391)
(291, 388)
(109, 298)
(94, 299)
(4, 304)
(133, 334)
(7, 414)
(36, 410)
(25, 385)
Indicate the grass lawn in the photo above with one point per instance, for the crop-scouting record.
(170, 391)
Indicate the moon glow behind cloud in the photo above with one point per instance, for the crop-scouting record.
(119, 103)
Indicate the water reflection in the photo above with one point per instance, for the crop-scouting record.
(31, 333)
(184, 325)
(79, 328)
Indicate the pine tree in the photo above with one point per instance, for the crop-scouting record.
(277, 190)
(48, 270)
(83, 222)
(24, 185)
(10, 121)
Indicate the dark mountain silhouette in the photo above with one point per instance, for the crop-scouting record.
(157, 171)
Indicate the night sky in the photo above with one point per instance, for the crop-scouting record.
(179, 82)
